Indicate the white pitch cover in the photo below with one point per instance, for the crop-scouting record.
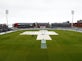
(42, 35)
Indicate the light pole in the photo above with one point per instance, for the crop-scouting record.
(6, 12)
(72, 12)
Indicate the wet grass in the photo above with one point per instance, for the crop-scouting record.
(67, 46)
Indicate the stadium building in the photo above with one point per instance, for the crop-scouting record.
(4, 28)
(78, 24)
(31, 25)
(64, 24)
(24, 25)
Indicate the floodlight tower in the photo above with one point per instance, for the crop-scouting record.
(72, 12)
(6, 12)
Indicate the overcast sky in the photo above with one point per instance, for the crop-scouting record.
(40, 10)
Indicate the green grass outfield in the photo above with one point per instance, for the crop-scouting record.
(67, 46)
